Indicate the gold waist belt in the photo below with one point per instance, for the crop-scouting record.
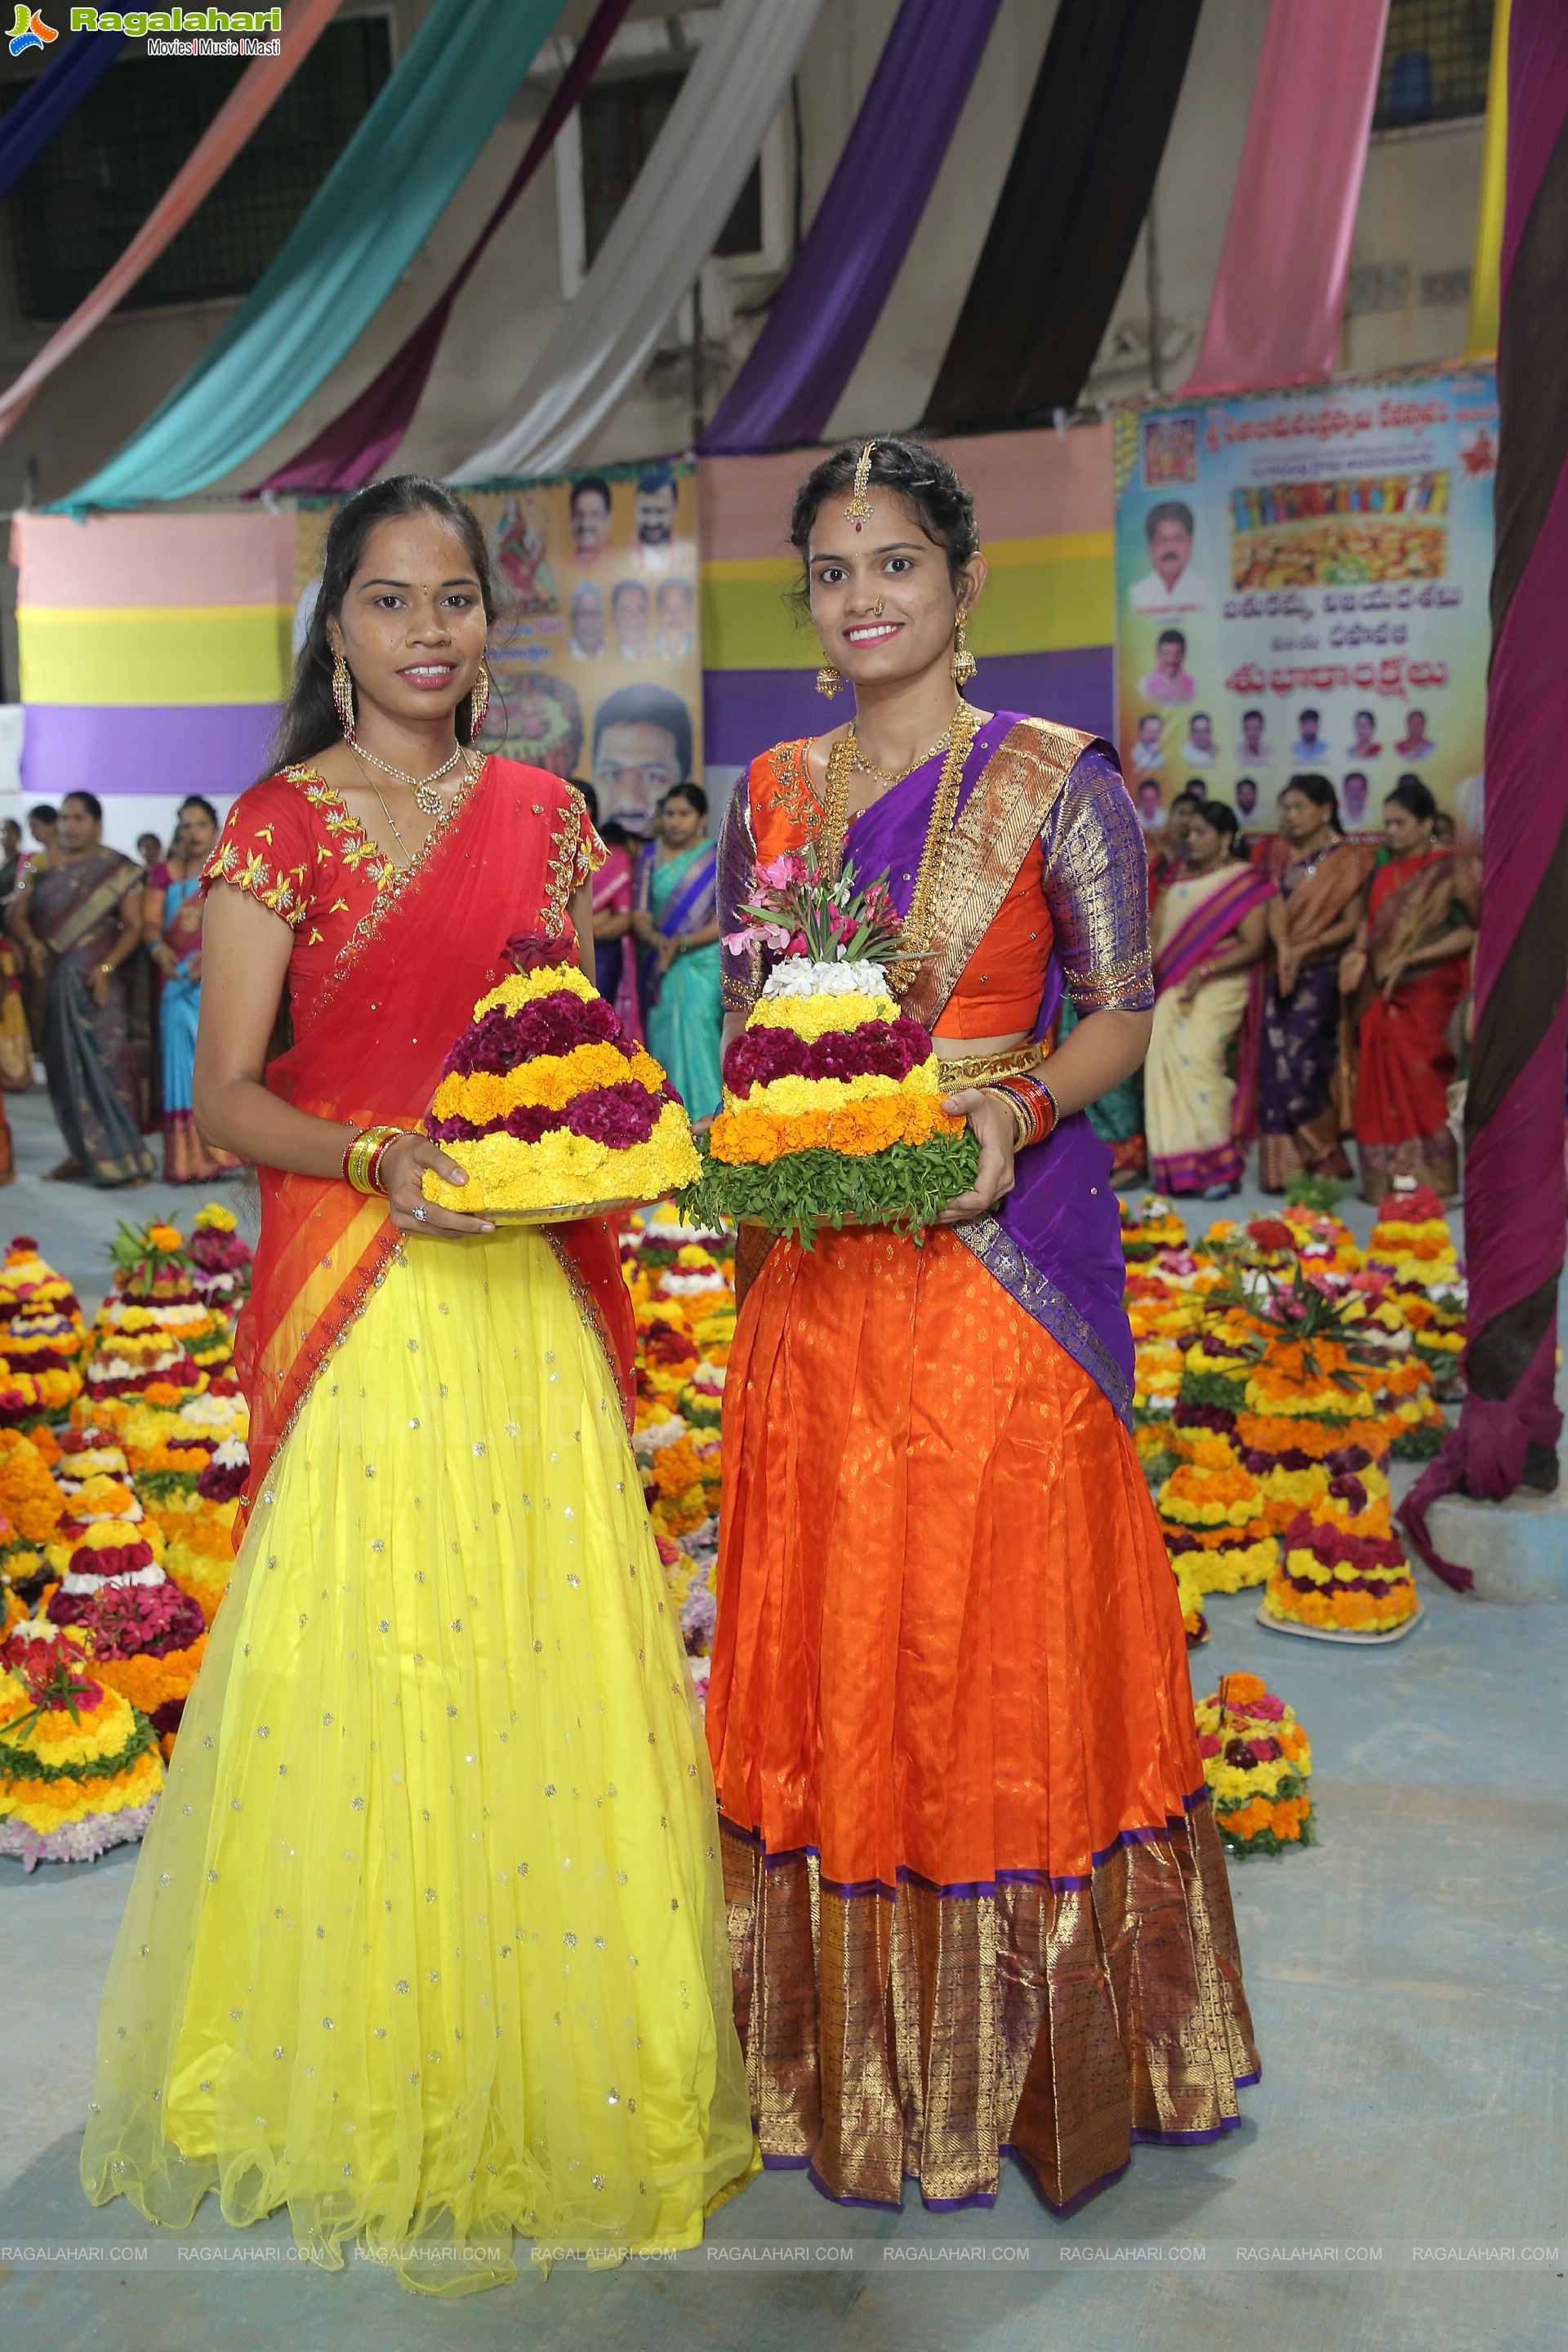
(985, 1069)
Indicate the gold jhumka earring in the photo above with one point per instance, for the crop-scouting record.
(858, 510)
(344, 695)
(479, 702)
(963, 662)
(828, 680)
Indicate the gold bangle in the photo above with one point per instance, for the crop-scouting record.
(108, 970)
(1023, 1123)
(359, 1160)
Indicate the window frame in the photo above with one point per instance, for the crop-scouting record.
(191, 305)
(572, 219)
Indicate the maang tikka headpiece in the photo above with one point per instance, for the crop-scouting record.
(858, 510)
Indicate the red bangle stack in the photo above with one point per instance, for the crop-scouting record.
(1036, 1104)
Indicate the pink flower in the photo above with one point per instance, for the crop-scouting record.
(781, 871)
(1207, 1744)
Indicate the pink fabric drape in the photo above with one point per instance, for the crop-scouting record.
(1274, 315)
(256, 92)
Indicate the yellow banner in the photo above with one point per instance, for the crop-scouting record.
(1043, 595)
(156, 655)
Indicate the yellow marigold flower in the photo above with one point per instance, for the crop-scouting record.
(520, 988)
(816, 1016)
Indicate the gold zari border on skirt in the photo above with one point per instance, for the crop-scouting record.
(918, 2035)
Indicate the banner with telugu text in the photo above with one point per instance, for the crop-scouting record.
(1301, 584)
(596, 655)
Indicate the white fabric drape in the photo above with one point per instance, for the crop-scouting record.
(666, 229)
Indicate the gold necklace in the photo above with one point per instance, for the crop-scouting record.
(438, 811)
(427, 798)
(933, 852)
(889, 777)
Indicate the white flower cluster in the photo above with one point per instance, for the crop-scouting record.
(796, 976)
(233, 1454)
(214, 1412)
(659, 1435)
(151, 1574)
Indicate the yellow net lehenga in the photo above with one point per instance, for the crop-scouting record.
(426, 1941)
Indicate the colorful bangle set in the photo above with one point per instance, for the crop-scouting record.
(1034, 1109)
(361, 1160)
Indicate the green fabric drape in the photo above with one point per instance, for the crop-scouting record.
(364, 226)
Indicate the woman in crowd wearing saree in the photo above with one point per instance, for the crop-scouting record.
(615, 942)
(1210, 933)
(977, 1899)
(1322, 879)
(79, 922)
(426, 1939)
(1405, 976)
(675, 916)
(172, 932)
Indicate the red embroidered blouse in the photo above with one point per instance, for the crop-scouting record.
(291, 842)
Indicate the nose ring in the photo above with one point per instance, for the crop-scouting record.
(876, 610)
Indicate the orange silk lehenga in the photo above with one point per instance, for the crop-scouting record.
(977, 1902)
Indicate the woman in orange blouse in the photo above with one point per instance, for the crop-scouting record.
(976, 1896)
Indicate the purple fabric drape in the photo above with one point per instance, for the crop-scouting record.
(1514, 1191)
(833, 297)
(1055, 1243)
(360, 439)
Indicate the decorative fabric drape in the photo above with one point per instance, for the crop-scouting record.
(1514, 1189)
(47, 102)
(665, 230)
(1274, 314)
(360, 438)
(1067, 218)
(252, 98)
(824, 312)
(1481, 342)
(364, 226)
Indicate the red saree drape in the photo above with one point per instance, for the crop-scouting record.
(1404, 1063)
(369, 1044)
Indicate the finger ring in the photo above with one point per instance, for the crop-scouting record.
(419, 1215)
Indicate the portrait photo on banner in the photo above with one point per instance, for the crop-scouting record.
(596, 655)
(1301, 584)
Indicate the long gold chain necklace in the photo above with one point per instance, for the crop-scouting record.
(889, 777)
(427, 800)
(933, 852)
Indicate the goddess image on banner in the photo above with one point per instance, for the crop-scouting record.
(1301, 581)
(595, 657)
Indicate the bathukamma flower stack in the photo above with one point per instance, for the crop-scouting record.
(1256, 1762)
(547, 1103)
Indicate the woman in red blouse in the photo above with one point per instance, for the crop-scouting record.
(426, 1941)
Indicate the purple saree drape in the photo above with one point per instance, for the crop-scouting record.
(1055, 1243)
(842, 276)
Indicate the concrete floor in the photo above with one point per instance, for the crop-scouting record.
(1397, 2186)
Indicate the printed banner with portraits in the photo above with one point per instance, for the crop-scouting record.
(1301, 585)
(596, 653)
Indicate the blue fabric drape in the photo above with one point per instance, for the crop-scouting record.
(59, 90)
(367, 221)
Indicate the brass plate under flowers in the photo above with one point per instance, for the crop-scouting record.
(562, 1214)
